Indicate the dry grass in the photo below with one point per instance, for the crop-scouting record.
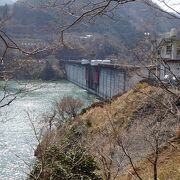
(121, 108)
(168, 167)
(125, 110)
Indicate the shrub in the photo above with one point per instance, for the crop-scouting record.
(73, 164)
(140, 86)
(68, 107)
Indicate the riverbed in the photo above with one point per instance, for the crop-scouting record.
(17, 139)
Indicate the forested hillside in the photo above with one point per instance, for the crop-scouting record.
(122, 30)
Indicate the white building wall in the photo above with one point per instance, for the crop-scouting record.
(164, 54)
(174, 50)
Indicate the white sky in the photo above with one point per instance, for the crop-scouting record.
(175, 4)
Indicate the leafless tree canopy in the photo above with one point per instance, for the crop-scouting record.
(68, 107)
(81, 13)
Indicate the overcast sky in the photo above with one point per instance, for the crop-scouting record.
(175, 4)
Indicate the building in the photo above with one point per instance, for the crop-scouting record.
(169, 54)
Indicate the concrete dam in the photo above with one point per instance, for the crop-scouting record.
(104, 79)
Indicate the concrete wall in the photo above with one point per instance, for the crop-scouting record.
(173, 54)
(76, 74)
(172, 69)
(111, 81)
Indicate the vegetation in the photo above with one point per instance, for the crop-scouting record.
(61, 155)
(123, 138)
(72, 163)
(68, 107)
(44, 23)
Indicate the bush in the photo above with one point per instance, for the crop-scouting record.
(72, 164)
(68, 107)
(140, 86)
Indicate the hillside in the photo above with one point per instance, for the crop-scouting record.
(134, 118)
(168, 165)
(140, 125)
(126, 28)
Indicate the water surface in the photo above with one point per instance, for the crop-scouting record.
(17, 140)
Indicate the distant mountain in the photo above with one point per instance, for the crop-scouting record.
(128, 18)
(130, 22)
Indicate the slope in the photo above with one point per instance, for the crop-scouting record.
(122, 134)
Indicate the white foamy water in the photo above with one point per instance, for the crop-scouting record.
(17, 139)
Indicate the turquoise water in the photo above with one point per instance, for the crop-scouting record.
(17, 139)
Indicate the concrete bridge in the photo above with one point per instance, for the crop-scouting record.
(104, 80)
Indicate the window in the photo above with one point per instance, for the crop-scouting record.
(168, 49)
(178, 51)
(159, 52)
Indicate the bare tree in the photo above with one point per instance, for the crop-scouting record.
(60, 154)
(84, 12)
(7, 96)
(68, 107)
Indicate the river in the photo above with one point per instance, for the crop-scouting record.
(17, 139)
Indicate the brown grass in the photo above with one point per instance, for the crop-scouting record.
(168, 167)
(123, 110)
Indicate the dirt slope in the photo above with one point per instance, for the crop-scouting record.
(128, 134)
(134, 119)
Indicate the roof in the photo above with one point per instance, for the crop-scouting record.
(172, 60)
(168, 37)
